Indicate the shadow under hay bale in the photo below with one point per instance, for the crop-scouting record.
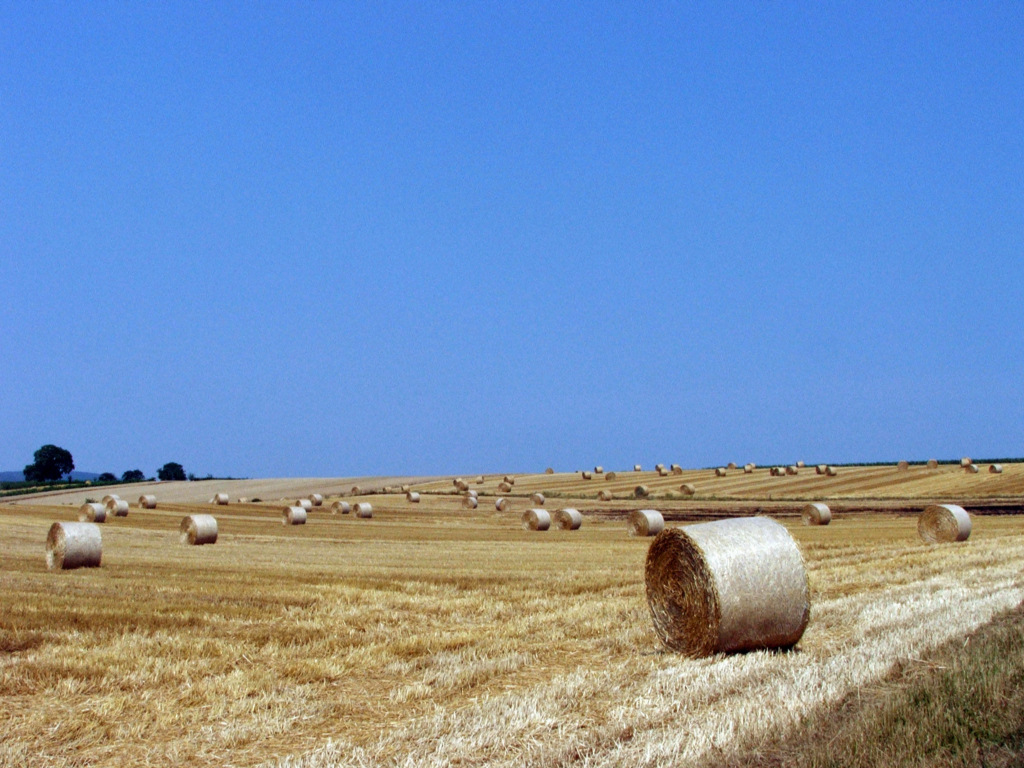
(816, 513)
(645, 522)
(73, 545)
(568, 519)
(730, 585)
(197, 530)
(943, 523)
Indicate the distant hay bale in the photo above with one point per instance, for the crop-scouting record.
(221, 499)
(831, 471)
(944, 523)
(801, 464)
(645, 522)
(658, 467)
(641, 492)
(340, 506)
(472, 493)
(108, 498)
(820, 469)
(293, 516)
(536, 520)
(610, 476)
(730, 585)
(720, 472)
(676, 469)
(604, 495)
(587, 475)
(316, 499)
(480, 480)
(731, 465)
(117, 508)
(406, 488)
(509, 479)
(470, 502)
(147, 501)
(198, 529)
(356, 490)
(792, 469)
(412, 497)
(971, 469)
(73, 545)
(501, 504)
(91, 512)
(748, 469)
(504, 488)
(363, 510)
(461, 485)
(933, 463)
(663, 472)
(774, 471)
(816, 513)
(637, 468)
(688, 489)
(568, 519)
(598, 470)
(538, 499)
(549, 471)
(903, 466)
(995, 469)
(306, 504)
(966, 461)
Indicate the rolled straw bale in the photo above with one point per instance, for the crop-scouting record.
(117, 508)
(341, 506)
(504, 488)
(730, 585)
(198, 529)
(792, 470)
(587, 475)
(73, 545)
(538, 499)
(604, 495)
(461, 485)
(599, 470)
(674, 467)
(831, 471)
(971, 469)
(406, 488)
(688, 488)
(480, 480)
(107, 499)
(677, 470)
(501, 504)
(536, 520)
(637, 468)
(364, 510)
(293, 516)
(663, 472)
(943, 523)
(820, 469)
(816, 513)
(748, 469)
(568, 519)
(903, 466)
(933, 463)
(306, 504)
(995, 469)
(965, 461)
(720, 472)
(549, 471)
(774, 471)
(658, 467)
(220, 498)
(470, 502)
(610, 476)
(801, 464)
(147, 501)
(509, 479)
(356, 490)
(316, 499)
(472, 493)
(91, 512)
(243, 500)
(641, 492)
(645, 522)
(412, 497)
(731, 465)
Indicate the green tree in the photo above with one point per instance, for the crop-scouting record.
(171, 471)
(51, 463)
(133, 476)
(107, 477)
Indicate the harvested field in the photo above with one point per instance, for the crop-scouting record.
(350, 642)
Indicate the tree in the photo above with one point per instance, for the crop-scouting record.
(107, 477)
(51, 463)
(171, 471)
(133, 476)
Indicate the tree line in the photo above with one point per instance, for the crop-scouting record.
(51, 463)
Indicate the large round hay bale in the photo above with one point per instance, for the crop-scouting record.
(662, 472)
(480, 480)
(995, 469)
(637, 468)
(688, 489)
(306, 504)
(971, 469)
(730, 585)
(461, 485)
(933, 463)
(91, 512)
(831, 471)
(658, 467)
(316, 499)
(293, 516)
(820, 469)
(645, 522)
(965, 461)
(816, 513)
(720, 472)
(73, 545)
(472, 493)
(903, 466)
(676, 469)
(501, 504)
(220, 498)
(147, 501)
(504, 488)
(406, 488)
(800, 465)
(363, 510)
(792, 469)
(610, 476)
(568, 519)
(538, 499)
(587, 475)
(509, 479)
(536, 520)
(412, 497)
(641, 492)
(604, 495)
(549, 471)
(470, 502)
(356, 490)
(340, 506)
(198, 529)
(731, 465)
(748, 469)
(107, 499)
(117, 508)
(943, 523)
(599, 470)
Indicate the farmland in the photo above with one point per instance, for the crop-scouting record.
(436, 635)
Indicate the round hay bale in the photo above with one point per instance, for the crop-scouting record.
(412, 497)
(604, 495)
(731, 465)
(220, 498)
(966, 461)
(748, 469)
(340, 506)
(509, 479)
(501, 504)
(658, 467)
(568, 519)
(903, 466)
(816, 513)
(73, 545)
(677, 470)
(792, 470)
(117, 508)
(461, 485)
(108, 498)
(480, 480)
(538, 499)
(831, 471)
(800, 465)
(598, 470)
(198, 529)
(406, 488)
(316, 499)
(536, 520)
(363, 510)
(641, 492)
(306, 504)
(674, 467)
(293, 516)
(637, 468)
(663, 472)
(504, 488)
(720, 472)
(933, 463)
(472, 493)
(995, 469)
(470, 502)
(91, 512)
(587, 475)
(645, 522)
(549, 471)
(971, 469)
(730, 585)
(610, 476)
(944, 523)
(147, 501)
(356, 490)
(688, 489)
(820, 469)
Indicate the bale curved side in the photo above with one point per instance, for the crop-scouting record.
(73, 545)
(221, 499)
(995, 469)
(363, 510)
(316, 499)
(941, 523)
(412, 497)
(293, 516)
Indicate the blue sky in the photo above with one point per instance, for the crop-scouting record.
(371, 238)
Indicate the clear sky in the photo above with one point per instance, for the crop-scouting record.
(317, 239)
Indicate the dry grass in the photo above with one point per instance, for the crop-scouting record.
(347, 642)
